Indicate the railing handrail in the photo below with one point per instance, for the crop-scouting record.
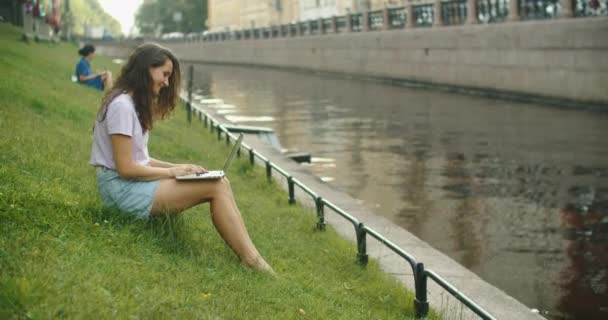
(457, 294)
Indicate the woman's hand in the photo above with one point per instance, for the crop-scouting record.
(185, 169)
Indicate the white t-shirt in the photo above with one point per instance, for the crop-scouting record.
(121, 118)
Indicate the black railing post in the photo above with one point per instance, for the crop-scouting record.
(219, 132)
(251, 156)
(290, 185)
(361, 245)
(320, 213)
(268, 170)
(421, 303)
(227, 139)
(205, 121)
(189, 103)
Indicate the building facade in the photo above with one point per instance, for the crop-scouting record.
(229, 15)
(223, 15)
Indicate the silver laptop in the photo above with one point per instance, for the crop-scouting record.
(215, 174)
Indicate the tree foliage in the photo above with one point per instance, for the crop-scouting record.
(158, 16)
(85, 13)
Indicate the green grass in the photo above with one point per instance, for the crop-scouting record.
(63, 256)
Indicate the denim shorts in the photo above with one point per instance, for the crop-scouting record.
(130, 196)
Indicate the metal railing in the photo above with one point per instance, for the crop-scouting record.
(421, 275)
(341, 24)
(454, 12)
(587, 8)
(314, 27)
(397, 18)
(356, 22)
(492, 11)
(327, 25)
(540, 9)
(423, 13)
(375, 20)
(304, 28)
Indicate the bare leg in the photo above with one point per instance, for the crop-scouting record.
(108, 82)
(174, 196)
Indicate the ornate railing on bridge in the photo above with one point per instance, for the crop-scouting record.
(397, 18)
(585, 8)
(327, 25)
(356, 22)
(424, 14)
(342, 24)
(375, 20)
(493, 11)
(537, 10)
(454, 12)
(419, 13)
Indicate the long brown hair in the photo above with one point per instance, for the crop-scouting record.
(135, 78)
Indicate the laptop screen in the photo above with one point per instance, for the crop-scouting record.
(236, 147)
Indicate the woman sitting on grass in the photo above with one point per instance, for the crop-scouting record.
(128, 179)
(100, 80)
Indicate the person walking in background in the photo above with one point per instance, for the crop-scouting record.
(100, 80)
(130, 180)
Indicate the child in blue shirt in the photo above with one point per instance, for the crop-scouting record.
(84, 74)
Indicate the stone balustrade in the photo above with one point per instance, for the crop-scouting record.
(419, 14)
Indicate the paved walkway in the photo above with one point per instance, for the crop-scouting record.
(492, 299)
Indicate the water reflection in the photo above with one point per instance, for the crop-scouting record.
(489, 183)
(584, 278)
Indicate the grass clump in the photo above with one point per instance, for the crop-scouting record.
(64, 256)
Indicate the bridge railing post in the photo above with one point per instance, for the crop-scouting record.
(320, 28)
(438, 17)
(514, 14)
(334, 25)
(567, 8)
(349, 22)
(410, 14)
(472, 11)
(365, 24)
(386, 23)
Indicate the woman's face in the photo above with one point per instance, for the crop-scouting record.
(160, 76)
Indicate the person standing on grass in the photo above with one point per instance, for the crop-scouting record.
(100, 80)
(130, 180)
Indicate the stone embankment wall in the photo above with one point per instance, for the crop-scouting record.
(560, 60)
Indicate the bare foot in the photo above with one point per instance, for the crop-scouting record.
(259, 264)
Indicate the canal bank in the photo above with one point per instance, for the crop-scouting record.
(487, 182)
(495, 301)
(561, 62)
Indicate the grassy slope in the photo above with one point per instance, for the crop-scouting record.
(62, 255)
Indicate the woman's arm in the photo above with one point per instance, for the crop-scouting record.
(89, 77)
(127, 169)
(162, 164)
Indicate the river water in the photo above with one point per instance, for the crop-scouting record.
(515, 192)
